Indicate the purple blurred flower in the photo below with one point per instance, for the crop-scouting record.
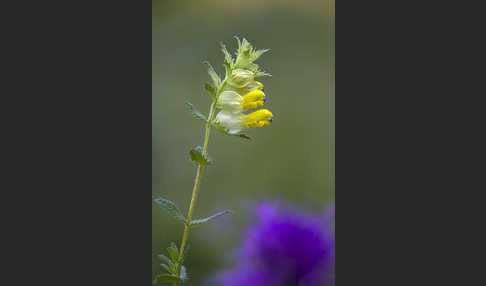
(284, 248)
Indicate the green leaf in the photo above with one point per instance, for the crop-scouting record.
(172, 267)
(164, 258)
(196, 156)
(244, 136)
(214, 76)
(166, 267)
(167, 277)
(205, 220)
(195, 112)
(209, 88)
(239, 43)
(173, 252)
(259, 53)
(171, 208)
(228, 69)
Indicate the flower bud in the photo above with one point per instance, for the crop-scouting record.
(241, 78)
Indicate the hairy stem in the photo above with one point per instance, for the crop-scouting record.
(196, 185)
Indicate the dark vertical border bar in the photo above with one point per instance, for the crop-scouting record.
(117, 130)
(407, 122)
(79, 157)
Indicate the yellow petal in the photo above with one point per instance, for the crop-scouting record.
(255, 104)
(253, 95)
(261, 114)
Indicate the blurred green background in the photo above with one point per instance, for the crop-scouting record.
(291, 160)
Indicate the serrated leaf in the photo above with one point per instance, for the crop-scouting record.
(171, 208)
(205, 220)
(239, 42)
(173, 252)
(196, 156)
(259, 53)
(228, 69)
(227, 56)
(209, 88)
(167, 277)
(196, 113)
(214, 76)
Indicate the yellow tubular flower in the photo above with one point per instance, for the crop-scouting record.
(259, 118)
(253, 99)
(234, 123)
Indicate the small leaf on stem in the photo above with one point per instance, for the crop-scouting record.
(164, 258)
(196, 156)
(196, 113)
(167, 277)
(214, 76)
(173, 252)
(209, 88)
(172, 267)
(166, 267)
(171, 208)
(205, 220)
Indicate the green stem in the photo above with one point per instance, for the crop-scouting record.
(196, 184)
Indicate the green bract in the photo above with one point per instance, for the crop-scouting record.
(243, 69)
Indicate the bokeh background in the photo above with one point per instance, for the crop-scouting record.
(291, 160)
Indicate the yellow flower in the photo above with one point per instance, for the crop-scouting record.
(253, 99)
(234, 123)
(259, 118)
